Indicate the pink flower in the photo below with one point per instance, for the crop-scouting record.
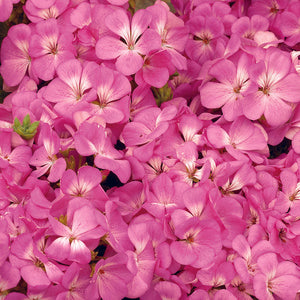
(45, 159)
(72, 87)
(86, 184)
(244, 137)
(74, 241)
(91, 139)
(172, 31)
(48, 48)
(229, 91)
(128, 53)
(18, 157)
(280, 279)
(110, 279)
(206, 33)
(36, 14)
(277, 88)
(9, 277)
(112, 89)
(15, 59)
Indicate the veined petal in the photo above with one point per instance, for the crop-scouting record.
(79, 252)
(109, 47)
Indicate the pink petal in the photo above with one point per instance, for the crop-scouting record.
(129, 62)
(150, 40)
(6, 8)
(254, 105)
(118, 22)
(277, 112)
(59, 249)
(57, 170)
(215, 95)
(69, 182)
(296, 142)
(168, 290)
(268, 264)
(109, 47)
(35, 276)
(288, 88)
(135, 133)
(88, 178)
(156, 77)
(140, 21)
(217, 136)
(79, 252)
(43, 3)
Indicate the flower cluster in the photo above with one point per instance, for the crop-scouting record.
(139, 150)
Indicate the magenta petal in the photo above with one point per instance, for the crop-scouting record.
(135, 133)
(120, 167)
(215, 95)
(4, 247)
(149, 41)
(156, 77)
(140, 21)
(57, 170)
(89, 178)
(217, 136)
(34, 276)
(79, 252)
(6, 8)
(129, 62)
(277, 112)
(254, 105)
(44, 67)
(43, 3)
(69, 183)
(118, 22)
(183, 252)
(59, 249)
(109, 48)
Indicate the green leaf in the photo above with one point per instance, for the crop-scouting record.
(26, 130)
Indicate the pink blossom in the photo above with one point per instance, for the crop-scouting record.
(110, 279)
(73, 241)
(45, 159)
(36, 14)
(128, 53)
(72, 87)
(277, 88)
(91, 139)
(15, 59)
(244, 137)
(229, 91)
(112, 89)
(275, 278)
(9, 277)
(48, 48)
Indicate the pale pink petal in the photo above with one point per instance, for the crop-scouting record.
(156, 77)
(217, 136)
(109, 47)
(69, 182)
(140, 21)
(118, 22)
(79, 252)
(168, 290)
(43, 3)
(59, 249)
(288, 88)
(35, 276)
(129, 62)
(88, 178)
(296, 142)
(254, 105)
(6, 8)
(268, 264)
(277, 112)
(215, 95)
(286, 286)
(150, 40)
(57, 170)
